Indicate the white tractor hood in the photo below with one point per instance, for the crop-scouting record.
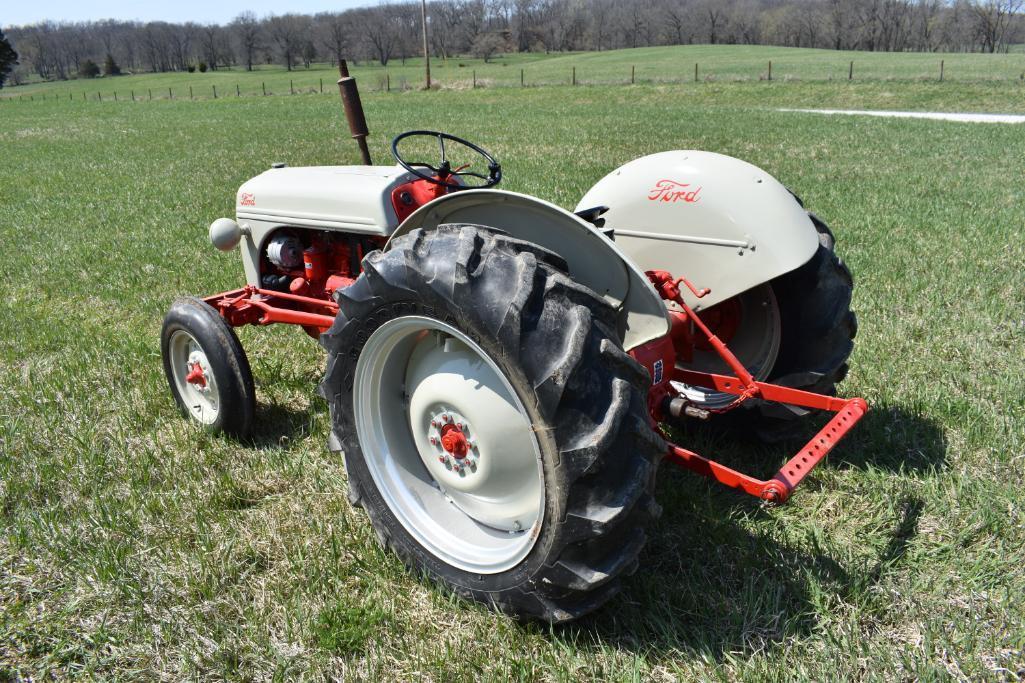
(350, 198)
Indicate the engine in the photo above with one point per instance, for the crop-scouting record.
(313, 263)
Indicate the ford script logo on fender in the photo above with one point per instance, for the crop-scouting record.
(247, 199)
(672, 192)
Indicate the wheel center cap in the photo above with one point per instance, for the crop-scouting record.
(454, 441)
(196, 375)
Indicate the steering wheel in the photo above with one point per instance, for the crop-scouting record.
(443, 171)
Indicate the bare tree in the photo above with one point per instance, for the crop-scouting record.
(992, 19)
(332, 31)
(487, 45)
(248, 37)
(379, 26)
(601, 21)
(213, 45)
(286, 31)
(180, 39)
(715, 19)
(678, 23)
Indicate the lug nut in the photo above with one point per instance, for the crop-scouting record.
(442, 458)
(459, 425)
(434, 423)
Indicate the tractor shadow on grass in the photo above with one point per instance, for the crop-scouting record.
(723, 576)
(277, 425)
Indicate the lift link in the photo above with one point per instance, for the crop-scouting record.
(743, 385)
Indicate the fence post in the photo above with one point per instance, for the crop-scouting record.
(238, 93)
(215, 91)
(133, 96)
(474, 79)
(850, 72)
(99, 97)
(387, 82)
(263, 84)
(770, 69)
(150, 93)
(521, 78)
(291, 87)
(170, 93)
(115, 95)
(573, 81)
(633, 73)
(83, 96)
(695, 72)
(190, 92)
(321, 86)
(941, 70)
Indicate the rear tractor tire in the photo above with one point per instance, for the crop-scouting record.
(812, 330)
(493, 428)
(207, 369)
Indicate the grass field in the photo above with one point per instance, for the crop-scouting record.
(650, 65)
(135, 547)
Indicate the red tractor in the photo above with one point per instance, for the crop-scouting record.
(498, 367)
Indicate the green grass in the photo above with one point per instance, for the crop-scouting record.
(651, 65)
(136, 547)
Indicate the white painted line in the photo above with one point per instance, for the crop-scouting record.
(935, 115)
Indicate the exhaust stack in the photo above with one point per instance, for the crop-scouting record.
(353, 110)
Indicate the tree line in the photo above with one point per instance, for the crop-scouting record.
(484, 28)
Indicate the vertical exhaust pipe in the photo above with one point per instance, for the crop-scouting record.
(353, 110)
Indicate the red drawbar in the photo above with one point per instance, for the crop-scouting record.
(779, 487)
(744, 386)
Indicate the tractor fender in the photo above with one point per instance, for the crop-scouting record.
(593, 259)
(722, 223)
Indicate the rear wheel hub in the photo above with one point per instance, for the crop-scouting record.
(452, 452)
(449, 435)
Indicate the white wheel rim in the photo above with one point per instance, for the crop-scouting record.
(201, 400)
(484, 515)
(755, 343)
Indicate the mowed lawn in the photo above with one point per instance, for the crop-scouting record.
(136, 547)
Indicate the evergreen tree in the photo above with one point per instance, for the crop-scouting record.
(110, 67)
(88, 69)
(8, 58)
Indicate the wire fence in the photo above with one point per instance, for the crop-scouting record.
(386, 83)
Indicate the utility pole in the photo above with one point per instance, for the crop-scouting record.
(427, 54)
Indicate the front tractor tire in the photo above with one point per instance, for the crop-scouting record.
(207, 369)
(493, 428)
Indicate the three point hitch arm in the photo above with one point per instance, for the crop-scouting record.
(777, 489)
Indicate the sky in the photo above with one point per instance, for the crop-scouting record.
(19, 12)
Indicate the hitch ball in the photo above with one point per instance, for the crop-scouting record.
(225, 234)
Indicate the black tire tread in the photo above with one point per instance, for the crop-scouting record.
(819, 328)
(227, 358)
(589, 392)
